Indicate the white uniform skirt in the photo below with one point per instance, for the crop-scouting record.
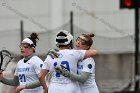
(72, 87)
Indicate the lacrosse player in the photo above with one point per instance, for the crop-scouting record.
(86, 67)
(67, 57)
(27, 68)
(88, 84)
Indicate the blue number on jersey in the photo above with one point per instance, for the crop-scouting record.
(63, 63)
(67, 65)
(22, 78)
(57, 74)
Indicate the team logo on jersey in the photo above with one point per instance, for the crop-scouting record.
(41, 65)
(89, 66)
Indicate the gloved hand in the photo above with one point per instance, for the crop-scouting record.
(62, 70)
(80, 78)
(53, 53)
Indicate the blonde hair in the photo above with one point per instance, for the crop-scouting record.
(88, 38)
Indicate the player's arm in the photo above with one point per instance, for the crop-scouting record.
(37, 82)
(33, 84)
(42, 79)
(28, 86)
(90, 53)
(10, 81)
(80, 78)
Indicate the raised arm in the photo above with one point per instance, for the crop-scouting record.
(90, 53)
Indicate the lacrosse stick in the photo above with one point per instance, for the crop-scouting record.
(5, 59)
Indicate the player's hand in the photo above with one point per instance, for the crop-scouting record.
(1, 75)
(53, 53)
(65, 71)
(58, 70)
(21, 87)
(62, 70)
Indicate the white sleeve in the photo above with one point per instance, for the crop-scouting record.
(80, 54)
(38, 65)
(88, 65)
(46, 63)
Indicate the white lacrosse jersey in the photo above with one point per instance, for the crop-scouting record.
(28, 72)
(88, 65)
(69, 59)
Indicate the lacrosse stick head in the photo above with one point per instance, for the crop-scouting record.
(5, 58)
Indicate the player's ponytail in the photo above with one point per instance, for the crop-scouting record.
(91, 34)
(34, 38)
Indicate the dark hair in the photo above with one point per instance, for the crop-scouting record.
(34, 38)
(91, 34)
(61, 34)
(62, 39)
(88, 38)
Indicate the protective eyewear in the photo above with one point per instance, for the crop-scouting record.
(24, 46)
(83, 41)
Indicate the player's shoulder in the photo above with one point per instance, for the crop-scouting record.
(65, 51)
(74, 51)
(36, 59)
(20, 61)
(48, 58)
(89, 62)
